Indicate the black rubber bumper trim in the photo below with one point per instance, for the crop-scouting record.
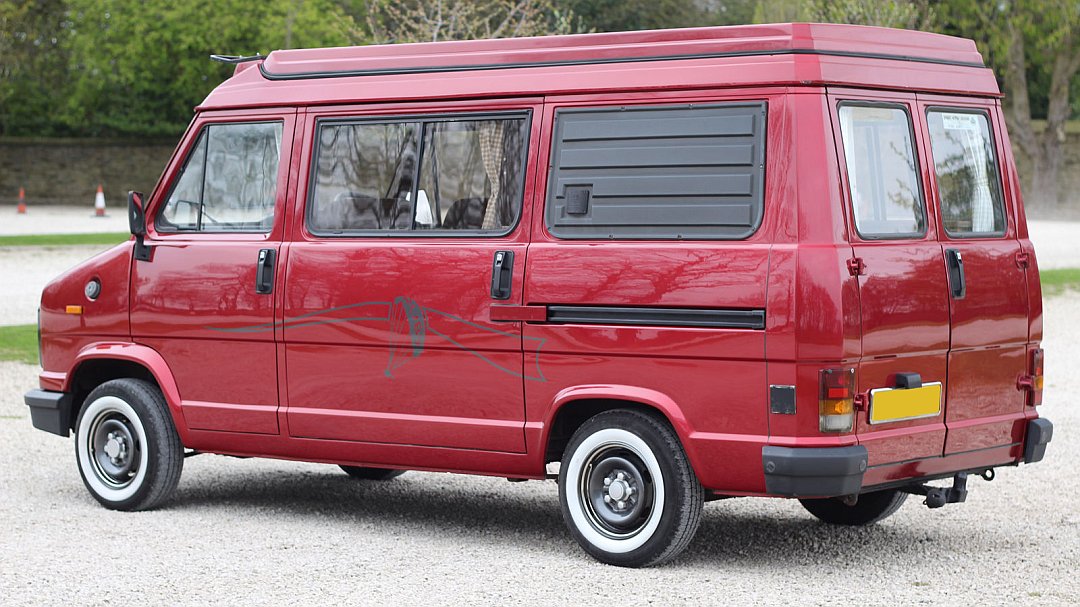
(50, 411)
(813, 471)
(1039, 433)
(659, 317)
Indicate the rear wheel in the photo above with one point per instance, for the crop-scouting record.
(126, 446)
(628, 493)
(372, 474)
(867, 510)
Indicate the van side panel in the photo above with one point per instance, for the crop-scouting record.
(713, 374)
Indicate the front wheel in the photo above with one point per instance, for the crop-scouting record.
(127, 449)
(628, 493)
(868, 509)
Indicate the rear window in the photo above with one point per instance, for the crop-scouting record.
(418, 176)
(684, 171)
(967, 173)
(886, 196)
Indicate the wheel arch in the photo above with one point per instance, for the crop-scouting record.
(573, 406)
(100, 362)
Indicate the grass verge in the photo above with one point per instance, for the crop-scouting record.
(1057, 281)
(60, 240)
(19, 343)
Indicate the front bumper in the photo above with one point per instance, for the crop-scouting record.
(813, 472)
(50, 411)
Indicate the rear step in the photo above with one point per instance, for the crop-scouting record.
(937, 497)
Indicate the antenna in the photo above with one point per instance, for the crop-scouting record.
(235, 59)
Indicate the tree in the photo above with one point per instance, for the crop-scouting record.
(905, 14)
(623, 15)
(137, 67)
(1034, 46)
(391, 21)
(33, 65)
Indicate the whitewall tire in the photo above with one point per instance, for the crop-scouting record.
(628, 493)
(126, 446)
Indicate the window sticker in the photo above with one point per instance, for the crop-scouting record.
(960, 122)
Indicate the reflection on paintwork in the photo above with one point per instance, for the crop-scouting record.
(410, 325)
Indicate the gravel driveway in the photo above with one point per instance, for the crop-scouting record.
(260, 532)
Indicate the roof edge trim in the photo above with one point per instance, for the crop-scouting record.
(504, 66)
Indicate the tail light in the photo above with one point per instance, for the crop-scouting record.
(837, 400)
(1036, 377)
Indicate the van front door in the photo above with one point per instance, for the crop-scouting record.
(902, 284)
(988, 294)
(412, 236)
(205, 298)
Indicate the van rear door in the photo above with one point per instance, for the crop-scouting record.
(902, 283)
(988, 292)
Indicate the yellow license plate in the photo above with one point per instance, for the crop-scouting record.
(899, 404)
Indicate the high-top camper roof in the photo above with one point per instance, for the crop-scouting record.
(792, 53)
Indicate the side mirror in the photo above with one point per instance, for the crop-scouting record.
(137, 225)
(136, 214)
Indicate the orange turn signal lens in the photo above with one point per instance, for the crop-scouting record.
(837, 407)
(73, 309)
(1035, 397)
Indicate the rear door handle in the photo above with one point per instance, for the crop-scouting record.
(502, 274)
(955, 264)
(264, 271)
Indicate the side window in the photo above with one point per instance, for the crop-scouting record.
(886, 196)
(967, 173)
(680, 171)
(229, 182)
(422, 175)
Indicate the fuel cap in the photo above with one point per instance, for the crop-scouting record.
(92, 289)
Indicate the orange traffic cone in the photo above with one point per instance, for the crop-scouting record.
(22, 202)
(99, 202)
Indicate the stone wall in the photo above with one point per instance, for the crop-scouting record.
(68, 171)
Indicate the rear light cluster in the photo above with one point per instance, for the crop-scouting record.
(1036, 377)
(836, 403)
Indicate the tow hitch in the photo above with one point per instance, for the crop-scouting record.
(937, 497)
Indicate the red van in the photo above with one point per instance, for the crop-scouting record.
(663, 267)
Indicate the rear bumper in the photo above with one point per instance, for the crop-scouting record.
(50, 411)
(813, 472)
(1039, 433)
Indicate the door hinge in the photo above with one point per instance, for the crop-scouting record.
(860, 402)
(1023, 259)
(856, 266)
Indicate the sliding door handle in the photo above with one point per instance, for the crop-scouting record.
(502, 274)
(264, 271)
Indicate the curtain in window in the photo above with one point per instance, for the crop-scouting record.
(982, 205)
(491, 150)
